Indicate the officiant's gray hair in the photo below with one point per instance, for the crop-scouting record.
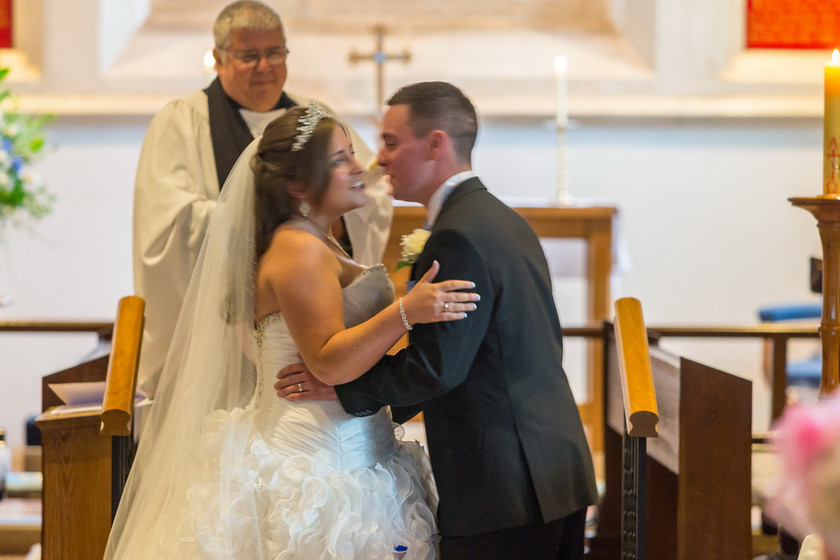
(245, 14)
(440, 106)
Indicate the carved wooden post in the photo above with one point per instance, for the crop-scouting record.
(827, 213)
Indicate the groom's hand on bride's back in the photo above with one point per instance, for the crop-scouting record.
(296, 383)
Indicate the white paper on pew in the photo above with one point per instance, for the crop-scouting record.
(85, 396)
(80, 393)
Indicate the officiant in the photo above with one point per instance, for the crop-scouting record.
(188, 151)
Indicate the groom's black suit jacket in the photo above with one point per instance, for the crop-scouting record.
(504, 434)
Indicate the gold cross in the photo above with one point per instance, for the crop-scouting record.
(380, 57)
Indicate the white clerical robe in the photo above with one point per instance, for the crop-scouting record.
(812, 549)
(175, 193)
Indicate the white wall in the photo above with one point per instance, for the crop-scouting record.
(703, 209)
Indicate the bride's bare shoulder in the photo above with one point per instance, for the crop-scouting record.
(294, 246)
(292, 237)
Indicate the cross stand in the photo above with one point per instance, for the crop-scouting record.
(380, 57)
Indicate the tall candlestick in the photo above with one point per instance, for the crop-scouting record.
(563, 196)
(560, 66)
(831, 128)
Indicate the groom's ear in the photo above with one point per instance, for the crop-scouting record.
(438, 140)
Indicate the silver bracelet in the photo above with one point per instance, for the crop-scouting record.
(408, 326)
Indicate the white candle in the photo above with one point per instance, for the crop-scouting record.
(560, 71)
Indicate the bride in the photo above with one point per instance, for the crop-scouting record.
(225, 469)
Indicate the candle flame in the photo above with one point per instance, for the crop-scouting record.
(835, 57)
(560, 63)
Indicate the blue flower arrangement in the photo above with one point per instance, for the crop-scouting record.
(21, 142)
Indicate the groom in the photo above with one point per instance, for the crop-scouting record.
(506, 442)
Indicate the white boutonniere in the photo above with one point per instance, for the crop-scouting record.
(412, 245)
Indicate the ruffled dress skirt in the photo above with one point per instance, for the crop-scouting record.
(265, 494)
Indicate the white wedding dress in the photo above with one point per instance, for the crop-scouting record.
(304, 480)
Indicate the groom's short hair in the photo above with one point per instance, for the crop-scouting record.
(440, 106)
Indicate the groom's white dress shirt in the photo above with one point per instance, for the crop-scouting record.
(437, 200)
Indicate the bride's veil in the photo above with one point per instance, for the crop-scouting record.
(209, 366)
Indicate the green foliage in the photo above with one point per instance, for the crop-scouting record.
(21, 143)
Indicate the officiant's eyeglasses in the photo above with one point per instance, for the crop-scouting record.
(252, 58)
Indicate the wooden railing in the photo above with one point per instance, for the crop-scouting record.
(118, 402)
(777, 336)
(640, 407)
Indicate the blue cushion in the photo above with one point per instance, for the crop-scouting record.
(802, 373)
(789, 312)
(805, 373)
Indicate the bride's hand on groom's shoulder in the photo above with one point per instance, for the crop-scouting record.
(430, 302)
(296, 383)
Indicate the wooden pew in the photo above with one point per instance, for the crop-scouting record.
(87, 453)
(698, 469)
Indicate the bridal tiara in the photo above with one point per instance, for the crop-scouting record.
(307, 124)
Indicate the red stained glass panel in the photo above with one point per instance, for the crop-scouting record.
(5, 24)
(793, 24)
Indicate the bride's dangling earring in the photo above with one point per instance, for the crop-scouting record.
(304, 209)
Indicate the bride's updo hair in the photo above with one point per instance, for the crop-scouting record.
(278, 169)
